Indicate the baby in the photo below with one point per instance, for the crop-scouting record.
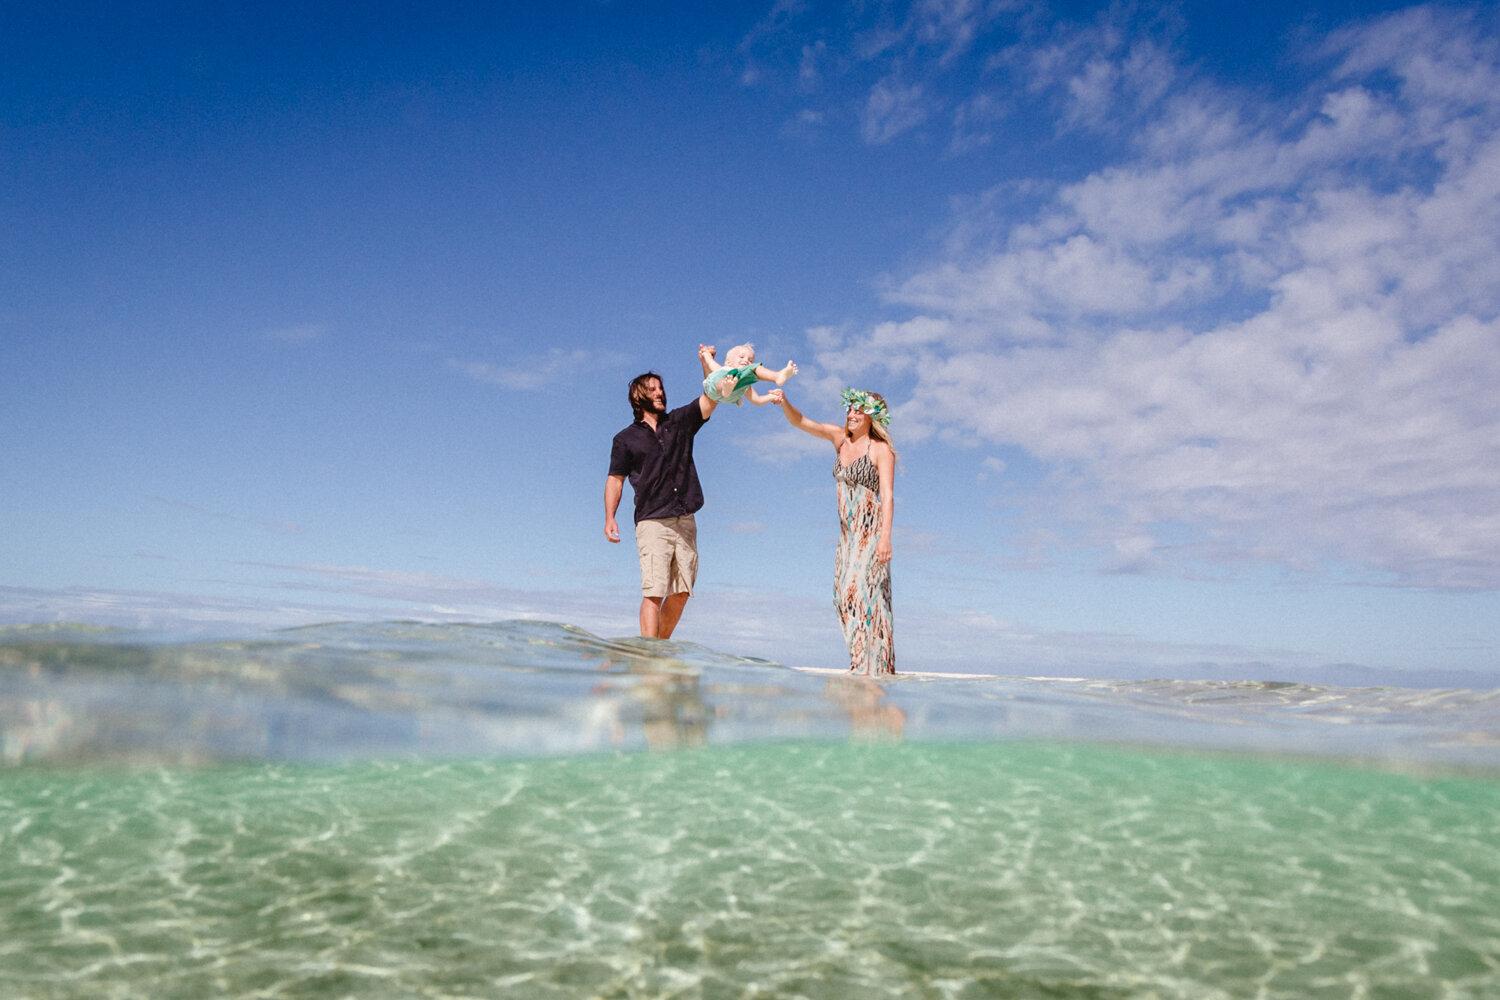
(739, 364)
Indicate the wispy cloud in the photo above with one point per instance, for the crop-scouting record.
(160, 610)
(314, 593)
(1104, 75)
(384, 581)
(1274, 325)
(553, 368)
(893, 108)
(895, 55)
(398, 593)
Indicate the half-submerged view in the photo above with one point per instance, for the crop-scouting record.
(759, 500)
(525, 809)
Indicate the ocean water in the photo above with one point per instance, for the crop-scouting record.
(527, 810)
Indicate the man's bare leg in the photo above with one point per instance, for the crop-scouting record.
(671, 611)
(650, 616)
(659, 616)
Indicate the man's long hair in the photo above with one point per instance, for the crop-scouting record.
(638, 393)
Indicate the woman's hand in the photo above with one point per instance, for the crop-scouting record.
(883, 551)
(776, 396)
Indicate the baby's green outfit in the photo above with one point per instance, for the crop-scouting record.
(744, 378)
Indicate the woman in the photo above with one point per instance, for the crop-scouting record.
(864, 470)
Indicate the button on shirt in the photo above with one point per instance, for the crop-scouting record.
(659, 463)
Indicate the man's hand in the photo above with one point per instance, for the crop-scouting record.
(611, 529)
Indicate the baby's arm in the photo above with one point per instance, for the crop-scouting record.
(706, 355)
(767, 375)
(755, 397)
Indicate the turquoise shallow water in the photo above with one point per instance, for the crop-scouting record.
(786, 870)
(528, 811)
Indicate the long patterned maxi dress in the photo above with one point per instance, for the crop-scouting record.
(862, 586)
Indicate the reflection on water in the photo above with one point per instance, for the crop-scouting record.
(348, 692)
(667, 706)
(873, 716)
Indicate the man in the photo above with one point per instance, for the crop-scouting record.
(656, 454)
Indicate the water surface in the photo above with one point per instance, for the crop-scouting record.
(525, 810)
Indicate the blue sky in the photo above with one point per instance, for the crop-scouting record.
(1190, 317)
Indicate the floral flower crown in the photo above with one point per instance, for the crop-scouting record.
(867, 404)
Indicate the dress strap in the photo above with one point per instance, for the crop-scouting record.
(838, 450)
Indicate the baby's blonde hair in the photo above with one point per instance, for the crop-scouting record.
(741, 347)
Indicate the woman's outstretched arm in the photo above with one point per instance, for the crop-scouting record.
(830, 432)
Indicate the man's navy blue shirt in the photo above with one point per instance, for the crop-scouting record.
(659, 463)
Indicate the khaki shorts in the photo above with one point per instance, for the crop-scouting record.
(669, 555)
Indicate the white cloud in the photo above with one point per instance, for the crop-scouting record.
(385, 582)
(952, 25)
(553, 368)
(974, 121)
(1276, 326)
(1106, 74)
(343, 594)
(891, 109)
(824, 51)
(809, 73)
